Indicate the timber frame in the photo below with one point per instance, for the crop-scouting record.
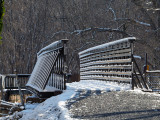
(49, 74)
(113, 61)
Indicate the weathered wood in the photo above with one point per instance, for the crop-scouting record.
(153, 71)
(10, 80)
(143, 80)
(10, 107)
(106, 52)
(138, 80)
(6, 104)
(105, 67)
(35, 100)
(111, 61)
(107, 57)
(48, 76)
(106, 62)
(104, 73)
(115, 45)
(111, 78)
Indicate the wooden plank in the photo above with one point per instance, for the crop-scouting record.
(42, 70)
(106, 78)
(153, 71)
(52, 47)
(114, 45)
(106, 55)
(45, 71)
(6, 104)
(110, 61)
(106, 62)
(104, 73)
(104, 67)
(115, 56)
(11, 82)
(126, 50)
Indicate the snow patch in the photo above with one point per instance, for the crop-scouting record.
(54, 108)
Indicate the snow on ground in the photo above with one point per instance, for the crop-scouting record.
(54, 108)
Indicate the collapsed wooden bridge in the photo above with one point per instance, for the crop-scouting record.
(49, 74)
(113, 61)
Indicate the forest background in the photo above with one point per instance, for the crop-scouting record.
(29, 25)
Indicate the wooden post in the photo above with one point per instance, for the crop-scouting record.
(16, 77)
(2, 95)
(133, 81)
(19, 88)
(144, 82)
(65, 63)
(145, 67)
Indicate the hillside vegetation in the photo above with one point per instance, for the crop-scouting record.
(31, 25)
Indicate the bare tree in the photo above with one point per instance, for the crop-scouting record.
(34, 24)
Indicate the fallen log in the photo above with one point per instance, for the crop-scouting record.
(11, 107)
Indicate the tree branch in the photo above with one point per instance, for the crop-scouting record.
(133, 21)
(139, 4)
(80, 32)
